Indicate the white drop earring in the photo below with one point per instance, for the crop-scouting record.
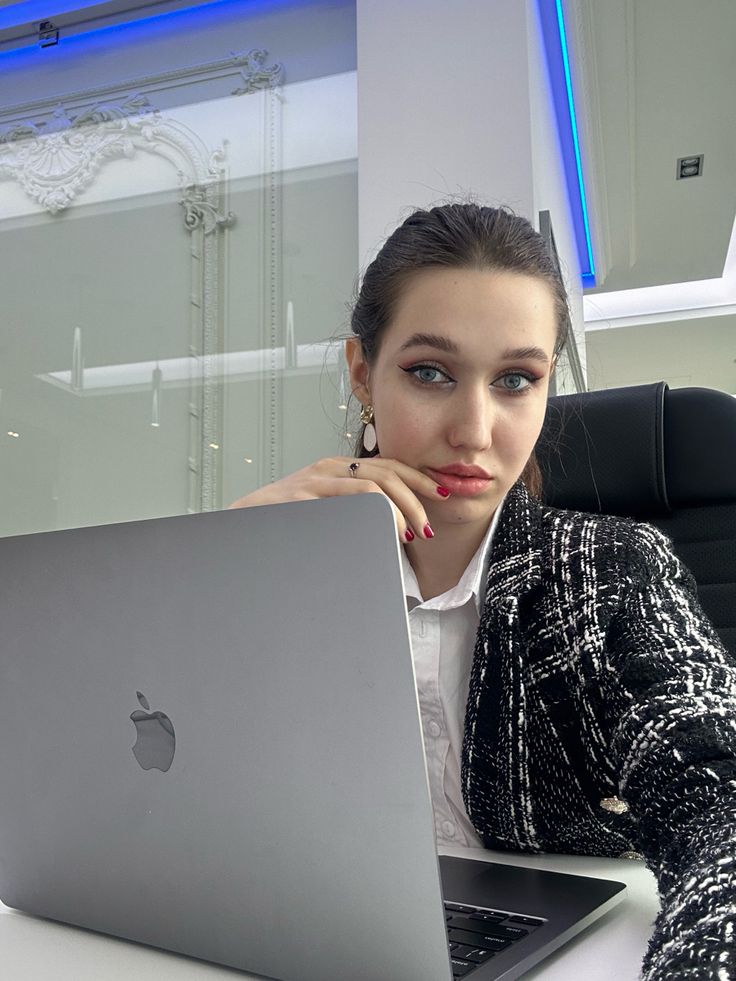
(370, 442)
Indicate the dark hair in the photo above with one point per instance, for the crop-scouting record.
(454, 235)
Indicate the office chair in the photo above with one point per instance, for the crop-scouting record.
(658, 455)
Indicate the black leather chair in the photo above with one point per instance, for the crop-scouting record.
(658, 455)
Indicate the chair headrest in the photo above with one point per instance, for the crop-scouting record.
(642, 450)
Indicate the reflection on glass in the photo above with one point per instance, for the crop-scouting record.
(77, 378)
(291, 361)
(185, 239)
(156, 399)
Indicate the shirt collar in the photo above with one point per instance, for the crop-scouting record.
(470, 585)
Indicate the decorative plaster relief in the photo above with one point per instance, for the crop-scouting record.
(55, 163)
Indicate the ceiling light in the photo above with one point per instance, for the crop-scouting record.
(689, 167)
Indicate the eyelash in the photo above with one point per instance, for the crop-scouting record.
(414, 369)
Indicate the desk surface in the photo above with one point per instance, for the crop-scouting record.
(612, 948)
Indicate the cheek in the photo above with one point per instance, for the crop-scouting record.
(518, 432)
(401, 425)
(397, 426)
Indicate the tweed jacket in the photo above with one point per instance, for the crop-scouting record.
(601, 720)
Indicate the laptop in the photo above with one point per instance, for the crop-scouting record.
(210, 743)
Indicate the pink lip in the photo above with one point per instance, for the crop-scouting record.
(463, 470)
(462, 481)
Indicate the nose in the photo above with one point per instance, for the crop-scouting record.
(470, 425)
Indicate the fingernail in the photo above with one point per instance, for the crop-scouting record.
(443, 492)
(409, 535)
(428, 533)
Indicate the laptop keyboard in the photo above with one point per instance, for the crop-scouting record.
(476, 934)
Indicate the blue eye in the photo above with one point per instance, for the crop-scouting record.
(514, 381)
(427, 374)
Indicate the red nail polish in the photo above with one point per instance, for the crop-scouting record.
(443, 492)
(428, 533)
(409, 535)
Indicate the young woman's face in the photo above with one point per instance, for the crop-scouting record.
(460, 383)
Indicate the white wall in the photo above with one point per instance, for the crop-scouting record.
(453, 99)
(443, 108)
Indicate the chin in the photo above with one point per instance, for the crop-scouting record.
(466, 511)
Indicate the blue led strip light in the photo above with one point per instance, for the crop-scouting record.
(139, 23)
(558, 64)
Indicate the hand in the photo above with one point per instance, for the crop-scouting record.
(332, 477)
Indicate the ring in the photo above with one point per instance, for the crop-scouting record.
(353, 468)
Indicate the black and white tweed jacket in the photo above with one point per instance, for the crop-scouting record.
(601, 720)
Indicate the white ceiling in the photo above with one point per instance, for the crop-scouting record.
(656, 80)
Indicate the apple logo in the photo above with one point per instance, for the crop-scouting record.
(156, 742)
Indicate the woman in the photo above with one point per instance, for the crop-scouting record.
(574, 697)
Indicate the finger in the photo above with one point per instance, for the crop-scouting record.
(394, 486)
(420, 483)
(341, 486)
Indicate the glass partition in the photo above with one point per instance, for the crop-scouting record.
(173, 273)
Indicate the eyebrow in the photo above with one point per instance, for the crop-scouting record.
(431, 340)
(525, 353)
(450, 347)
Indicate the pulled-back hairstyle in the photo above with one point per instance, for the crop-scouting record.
(468, 236)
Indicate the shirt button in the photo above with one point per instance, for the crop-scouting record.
(434, 729)
(449, 829)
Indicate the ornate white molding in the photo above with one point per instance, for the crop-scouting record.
(245, 70)
(201, 210)
(56, 164)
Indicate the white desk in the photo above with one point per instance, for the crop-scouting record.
(612, 948)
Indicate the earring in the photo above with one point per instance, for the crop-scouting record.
(370, 442)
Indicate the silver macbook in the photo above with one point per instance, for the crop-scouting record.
(210, 742)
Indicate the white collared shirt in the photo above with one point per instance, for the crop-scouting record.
(443, 631)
